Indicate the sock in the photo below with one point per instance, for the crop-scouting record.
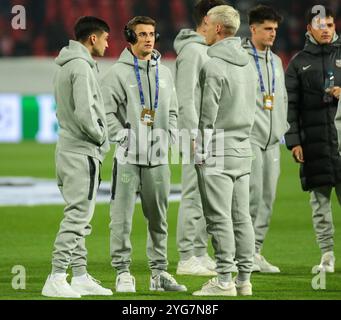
(225, 278)
(243, 276)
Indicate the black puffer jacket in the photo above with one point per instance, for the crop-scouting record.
(311, 119)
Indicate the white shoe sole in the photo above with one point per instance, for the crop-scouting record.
(51, 294)
(221, 294)
(89, 293)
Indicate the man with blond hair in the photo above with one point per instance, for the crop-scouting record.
(227, 113)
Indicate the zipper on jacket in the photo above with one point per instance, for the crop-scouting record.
(114, 180)
(92, 173)
(267, 69)
(151, 108)
(328, 106)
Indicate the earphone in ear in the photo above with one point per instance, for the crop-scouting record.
(131, 36)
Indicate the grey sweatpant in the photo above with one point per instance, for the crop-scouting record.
(322, 216)
(78, 178)
(153, 184)
(225, 198)
(264, 176)
(191, 226)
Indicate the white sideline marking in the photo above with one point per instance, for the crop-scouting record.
(32, 192)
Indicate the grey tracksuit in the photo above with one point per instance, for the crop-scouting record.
(81, 148)
(267, 131)
(142, 166)
(228, 86)
(191, 49)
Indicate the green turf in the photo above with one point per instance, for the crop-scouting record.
(27, 235)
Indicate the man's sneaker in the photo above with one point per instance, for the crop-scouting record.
(125, 282)
(244, 288)
(215, 288)
(193, 267)
(327, 262)
(88, 286)
(255, 268)
(56, 286)
(165, 282)
(207, 262)
(265, 266)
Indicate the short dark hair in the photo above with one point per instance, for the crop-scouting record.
(261, 13)
(202, 7)
(140, 20)
(310, 15)
(85, 26)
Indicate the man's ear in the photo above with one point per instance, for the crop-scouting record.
(309, 28)
(253, 29)
(93, 39)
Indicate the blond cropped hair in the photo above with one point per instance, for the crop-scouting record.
(227, 16)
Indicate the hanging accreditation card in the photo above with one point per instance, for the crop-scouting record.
(147, 117)
(268, 102)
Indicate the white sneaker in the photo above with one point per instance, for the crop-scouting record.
(88, 286)
(165, 282)
(56, 286)
(193, 267)
(255, 268)
(244, 288)
(215, 288)
(327, 262)
(207, 262)
(125, 282)
(265, 266)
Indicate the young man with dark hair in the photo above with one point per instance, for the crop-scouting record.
(192, 236)
(141, 108)
(80, 150)
(313, 81)
(269, 127)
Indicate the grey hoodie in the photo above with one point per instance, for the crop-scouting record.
(80, 108)
(228, 86)
(269, 126)
(191, 49)
(142, 145)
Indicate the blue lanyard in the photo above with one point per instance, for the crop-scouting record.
(139, 82)
(262, 86)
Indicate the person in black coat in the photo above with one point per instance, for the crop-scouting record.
(313, 81)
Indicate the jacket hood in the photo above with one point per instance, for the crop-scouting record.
(312, 46)
(246, 44)
(185, 37)
(230, 50)
(75, 50)
(127, 57)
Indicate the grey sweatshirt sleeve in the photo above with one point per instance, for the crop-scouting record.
(186, 82)
(84, 100)
(173, 113)
(113, 97)
(211, 86)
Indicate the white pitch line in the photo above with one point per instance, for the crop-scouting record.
(32, 192)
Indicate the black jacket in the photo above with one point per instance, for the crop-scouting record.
(311, 119)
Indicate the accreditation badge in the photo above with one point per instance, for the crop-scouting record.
(268, 102)
(147, 117)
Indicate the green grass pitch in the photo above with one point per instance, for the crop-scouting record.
(27, 235)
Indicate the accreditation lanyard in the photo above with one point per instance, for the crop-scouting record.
(262, 86)
(139, 82)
